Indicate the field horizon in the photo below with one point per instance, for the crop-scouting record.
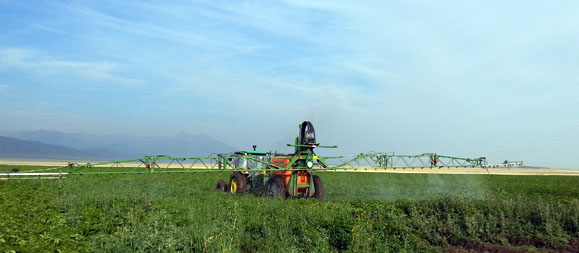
(424, 170)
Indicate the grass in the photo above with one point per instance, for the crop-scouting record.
(362, 212)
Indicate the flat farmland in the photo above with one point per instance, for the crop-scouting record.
(361, 212)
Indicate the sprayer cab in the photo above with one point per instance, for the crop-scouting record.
(307, 136)
(306, 141)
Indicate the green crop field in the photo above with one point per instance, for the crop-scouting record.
(378, 212)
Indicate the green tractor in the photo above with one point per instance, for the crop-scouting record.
(277, 175)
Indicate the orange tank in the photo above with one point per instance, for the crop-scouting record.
(283, 161)
(303, 177)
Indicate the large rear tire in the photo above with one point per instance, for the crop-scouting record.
(221, 186)
(319, 187)
(276, 187)
(237, 183)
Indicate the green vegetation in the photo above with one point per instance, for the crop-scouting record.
(362, 212)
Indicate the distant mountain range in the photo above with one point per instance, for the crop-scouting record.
(15, 148)
(43, 144)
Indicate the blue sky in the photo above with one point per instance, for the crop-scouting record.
(466, 78)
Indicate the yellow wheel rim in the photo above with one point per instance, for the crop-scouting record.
(233, 186)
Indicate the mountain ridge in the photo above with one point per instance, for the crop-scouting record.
(88, 145)
(15, 148)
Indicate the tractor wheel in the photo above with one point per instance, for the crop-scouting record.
(221, 186)
(237, 183)
(319, 187)
(276, 187)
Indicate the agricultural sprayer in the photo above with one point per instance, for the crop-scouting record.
(276, 175)
(265, 173)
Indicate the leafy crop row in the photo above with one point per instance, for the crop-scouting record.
(363, 212)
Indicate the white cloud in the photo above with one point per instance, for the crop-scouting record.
(157, 27)
(35, 61)
(46, 28)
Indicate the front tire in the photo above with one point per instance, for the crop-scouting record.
(221, 186)
(237, 183)
(319, 187)
(276, 187)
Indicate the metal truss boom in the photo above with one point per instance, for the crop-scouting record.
(390, 160)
